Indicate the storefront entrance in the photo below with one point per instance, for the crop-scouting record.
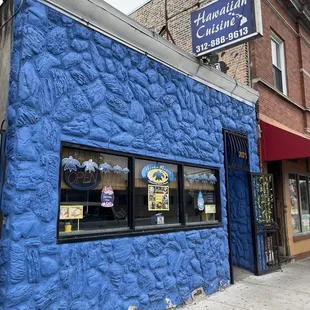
(253, 232)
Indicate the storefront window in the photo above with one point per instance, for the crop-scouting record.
(200, 186)
(107, 194)
(94, 192)
(156, 194)
(304, 202)
(293, 192)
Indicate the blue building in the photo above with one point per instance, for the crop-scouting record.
(114, 193)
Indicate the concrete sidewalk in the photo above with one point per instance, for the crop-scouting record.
(287, 290)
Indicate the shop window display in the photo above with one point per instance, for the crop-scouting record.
(304, 201)
(104, 193)
(156, 194)
(200, 195)
(299, 191)
(295, 215)
(94, 192)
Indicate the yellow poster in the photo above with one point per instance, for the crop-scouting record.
(71, 212)
(210, 209)
(158, 198)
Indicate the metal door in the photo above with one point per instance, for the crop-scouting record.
(265, 228)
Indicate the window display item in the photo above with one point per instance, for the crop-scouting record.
(158, 198)
(105, 168)
(107, 197)
(210, 209)
(70, 164)
(200, 202)
(158, 219)
(90, 166)
(71, 212)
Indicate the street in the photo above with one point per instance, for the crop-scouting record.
(285, 290)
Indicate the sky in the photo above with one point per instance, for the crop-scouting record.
(126, 6)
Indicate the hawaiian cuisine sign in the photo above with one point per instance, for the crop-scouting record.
(224, 23)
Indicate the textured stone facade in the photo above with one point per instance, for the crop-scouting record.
(69, 83)
(152, 16)
(240, 217)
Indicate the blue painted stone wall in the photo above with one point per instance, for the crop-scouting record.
(69, 83)
(240, 219)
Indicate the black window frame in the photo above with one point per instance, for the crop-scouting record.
(133, 231)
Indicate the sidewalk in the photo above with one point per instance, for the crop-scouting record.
(287, 290)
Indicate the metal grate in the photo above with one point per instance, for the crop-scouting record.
(237, 151)
(266, 228)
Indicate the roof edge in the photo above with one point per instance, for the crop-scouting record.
(104, 18)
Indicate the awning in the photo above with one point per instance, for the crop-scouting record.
(279, 144)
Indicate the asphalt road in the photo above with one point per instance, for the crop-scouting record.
(286, 290)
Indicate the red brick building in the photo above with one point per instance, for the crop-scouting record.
(278, 66)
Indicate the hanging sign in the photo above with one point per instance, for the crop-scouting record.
(82, 180)
(158, 198)
(157, 174)
(107, 197)
(225, 23)
(200, 202)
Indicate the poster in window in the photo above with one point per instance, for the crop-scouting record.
(210, 209)
(158, 198)
(71, 212)
(107, 197)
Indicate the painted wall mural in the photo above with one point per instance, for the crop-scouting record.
(69, 83)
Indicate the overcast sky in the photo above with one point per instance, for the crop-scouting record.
(126, 6)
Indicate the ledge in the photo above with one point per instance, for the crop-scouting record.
(104, 18)
(130, 233)
(271, 87)
(302, 237)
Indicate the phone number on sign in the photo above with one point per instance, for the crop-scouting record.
(222, 40)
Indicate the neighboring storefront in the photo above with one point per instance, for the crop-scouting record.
(292, 184)
(115, 191)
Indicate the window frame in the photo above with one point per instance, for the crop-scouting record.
(133, 231)
(280, 43)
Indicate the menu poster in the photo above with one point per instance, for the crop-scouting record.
(71, 212)
(210, 209)
(158, 198)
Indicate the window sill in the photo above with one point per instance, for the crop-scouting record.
(202, 223)
(158, 226)
(89, 232)
(301, 237)
(130, 233)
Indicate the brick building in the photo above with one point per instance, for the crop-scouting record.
(278, 66)
(153, 16)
